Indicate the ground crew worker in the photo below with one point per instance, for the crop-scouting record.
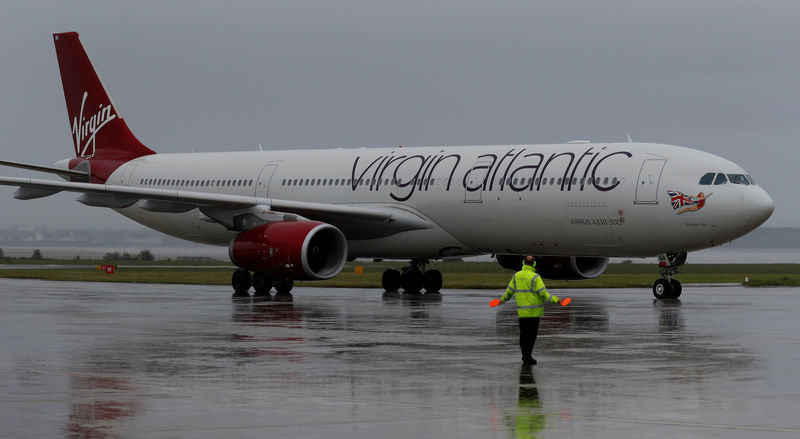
(531, 295)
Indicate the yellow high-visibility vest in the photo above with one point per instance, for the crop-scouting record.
(531, 295)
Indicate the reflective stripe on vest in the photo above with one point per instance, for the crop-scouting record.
(529, 290)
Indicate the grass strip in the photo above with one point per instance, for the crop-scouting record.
(457, 275)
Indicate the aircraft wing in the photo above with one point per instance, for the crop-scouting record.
(232, 211)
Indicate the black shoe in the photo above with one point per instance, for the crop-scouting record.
(528, 360)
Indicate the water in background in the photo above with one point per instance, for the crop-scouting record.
(732, 255)
(160, 253)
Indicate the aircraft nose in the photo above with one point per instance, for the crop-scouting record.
(757, 206)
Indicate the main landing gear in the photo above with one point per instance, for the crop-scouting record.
(667, 287)
(262, 284)
(413, 278)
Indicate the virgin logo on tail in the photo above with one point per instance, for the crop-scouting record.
(86, 129)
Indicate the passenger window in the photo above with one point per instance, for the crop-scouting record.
(720, 179)
(707, 179)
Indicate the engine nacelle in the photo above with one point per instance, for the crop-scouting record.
(559, 267)
(299, 250)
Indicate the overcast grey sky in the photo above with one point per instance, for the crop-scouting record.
(721, 76)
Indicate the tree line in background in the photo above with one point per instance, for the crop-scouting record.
(144, 255)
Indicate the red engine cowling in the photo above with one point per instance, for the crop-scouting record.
(559, 267)
(291, 249)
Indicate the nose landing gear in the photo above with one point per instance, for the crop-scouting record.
(668, 287)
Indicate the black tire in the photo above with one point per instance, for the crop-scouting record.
(391, 280)
(412, 281)
(284, 286)
(662, 289)
(433, 280)
(262, 283)
(675, 289)
(240, 281)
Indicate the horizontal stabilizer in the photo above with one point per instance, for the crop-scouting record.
(61, 172)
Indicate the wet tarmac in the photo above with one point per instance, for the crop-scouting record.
(95, 360)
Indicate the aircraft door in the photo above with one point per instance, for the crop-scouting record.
(647, 184)
(476, 181)
(262, 188)
(126, 174)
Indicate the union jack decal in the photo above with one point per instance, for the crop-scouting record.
(692, 202)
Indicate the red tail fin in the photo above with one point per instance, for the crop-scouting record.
(98, 131)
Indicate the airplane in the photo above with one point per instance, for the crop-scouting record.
(289, 215)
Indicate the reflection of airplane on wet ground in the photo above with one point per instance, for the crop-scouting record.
(300, 214)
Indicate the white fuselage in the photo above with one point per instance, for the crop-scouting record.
(582, 199)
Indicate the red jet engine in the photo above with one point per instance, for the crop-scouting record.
(302, 250)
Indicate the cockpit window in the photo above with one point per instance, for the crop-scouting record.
(738, 179)
(708, 178)
(720, 179)
(750, 179)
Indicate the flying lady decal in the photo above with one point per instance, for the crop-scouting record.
(689, 203)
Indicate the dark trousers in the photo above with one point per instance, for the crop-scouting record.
(528, 330)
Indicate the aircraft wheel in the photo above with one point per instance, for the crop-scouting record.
(391, 280)
(240, 281)
(262, 283)
(662, 289)
(412, 281)
(433, 280)
(284, 286)
(675, 289)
